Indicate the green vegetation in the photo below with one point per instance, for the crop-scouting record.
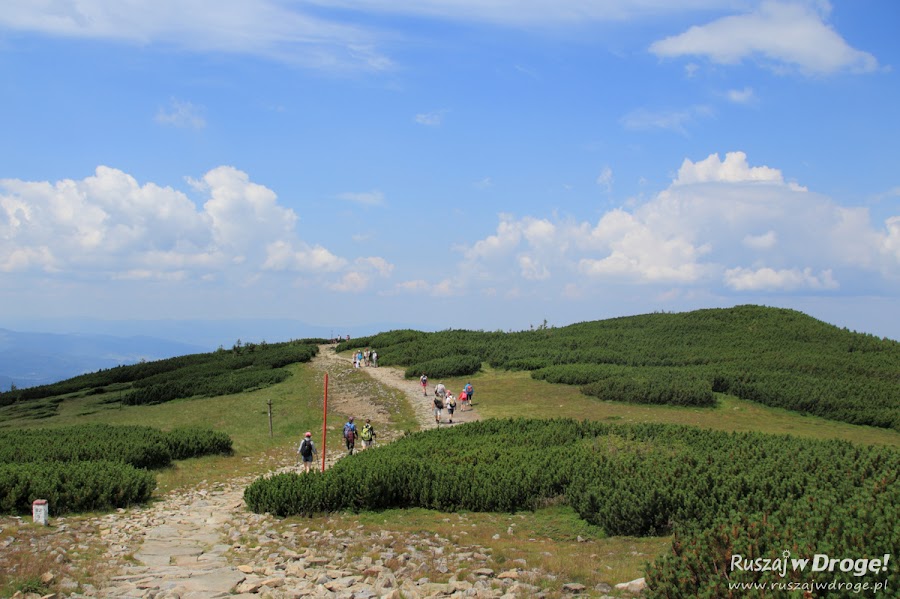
(243, 368)
(73, 486)
(709, 493)
(92, 467)
(720, 493)
(780, 358)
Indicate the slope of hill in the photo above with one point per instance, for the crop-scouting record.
(781, 358)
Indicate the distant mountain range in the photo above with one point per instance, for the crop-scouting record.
(29, 359)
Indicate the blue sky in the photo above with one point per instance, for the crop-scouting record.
(482, 164)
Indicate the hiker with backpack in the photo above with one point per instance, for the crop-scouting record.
(350, 434)
(307, 450)
(367, 435)
(451, 406)
(463, 398)
(470, 391)
(424, 380)
(438, 408)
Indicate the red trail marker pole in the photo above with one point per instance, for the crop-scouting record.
(324, 421)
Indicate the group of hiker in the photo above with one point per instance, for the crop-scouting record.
(367, 357)
(307, 448)
(443, 399)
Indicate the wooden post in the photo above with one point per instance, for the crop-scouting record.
(270, 417)
(324, 421)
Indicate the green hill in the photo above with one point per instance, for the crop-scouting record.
(777, 357)
(242, 368)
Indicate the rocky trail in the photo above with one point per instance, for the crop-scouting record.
(202, 542)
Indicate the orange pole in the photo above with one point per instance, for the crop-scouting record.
(324, 421)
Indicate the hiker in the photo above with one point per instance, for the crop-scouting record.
(462, 400)
(424, 380)
(440, 390)
(367, 435)
(451, 406)
(470, 392)
(374, 359)
(307, 450)
(350, 433)
(438, 408)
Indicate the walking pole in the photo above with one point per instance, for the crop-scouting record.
(324, 421)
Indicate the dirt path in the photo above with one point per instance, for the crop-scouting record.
(391, 377)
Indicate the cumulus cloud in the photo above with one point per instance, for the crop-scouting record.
(768, 279)
(779, 34)
(733, 169)
(721, 224)
(109, 225)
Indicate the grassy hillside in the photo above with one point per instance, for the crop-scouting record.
(780, 358)
(243, 368)
(504, 389)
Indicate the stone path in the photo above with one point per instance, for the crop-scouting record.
(204, 544)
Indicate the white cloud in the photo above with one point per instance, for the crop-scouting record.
(417, 286)
(181, 114)
(890, 241)
(300, 257)
(109, 225)
(780, 34)
(768, 279)
(635, 251)
(430, 119)
(721, 224)
(442, 288)
(376, 264)
(531, 269)
(605, 179)
(741, 96)
(268, 28)
(351, 282)
(766, 241)
(507, 238)
(734, 170)
(366, 198)
(670, 120)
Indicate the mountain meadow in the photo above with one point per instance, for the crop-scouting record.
(693, 449)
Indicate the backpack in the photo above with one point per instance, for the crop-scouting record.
(350, 432)
(367, 433)
(468, 389)
(306, 448)
(438, 402)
